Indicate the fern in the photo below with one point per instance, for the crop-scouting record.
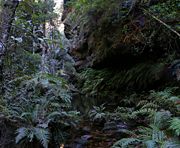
(150, 105)
(175, 126)
(42, 135)
(151, 136)
(172, 143)
(142, 103)
(97, 113)
(154, 135)
(143, 111)
(21, 134)
(157, 135)
(150, 143)
(42, 102)
(125, 142)
(161, 119)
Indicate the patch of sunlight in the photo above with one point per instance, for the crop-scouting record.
(59, 10)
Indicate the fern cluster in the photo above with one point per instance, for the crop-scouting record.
(155, 116)
(152, 136)
(43, 105)
(175, 125)
(140, 76)
(160, 112)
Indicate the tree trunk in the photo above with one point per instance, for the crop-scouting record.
(6, 18)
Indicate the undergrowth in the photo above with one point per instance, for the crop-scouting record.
(155, 117)
(42, 104)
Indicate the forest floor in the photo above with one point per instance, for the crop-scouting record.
(91, 135)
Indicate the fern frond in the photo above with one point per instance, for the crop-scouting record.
(151, 135)
(143, 111)
(21, 134)
(56, 114)
(175, 126)
(125, 142)
(150, 143)
(161, 119)
(158, 135)
(42, 135)
(171, 144)
(150, 105)
(142, 103)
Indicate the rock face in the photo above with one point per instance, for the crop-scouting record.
(121, 35)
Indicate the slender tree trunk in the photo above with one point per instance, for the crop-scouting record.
(7, 15)
(6, 18)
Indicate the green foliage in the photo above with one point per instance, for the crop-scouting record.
(150, 137)
(135, 107)
(30, 23)
(42, 102)
(138, 77)
(83, 6)
(117, 28)
(43, 11)
(167, 10)
(87, 10)
(155, 116)
(124, 143)
(97, 113)
(40, 134)
(158, 115)
(40, 10)
(162, 119)
(175, 125)
(13, 65)
(3, 106)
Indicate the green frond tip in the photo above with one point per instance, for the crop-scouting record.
(161, 119)
(150, 143)
(143, 111)
(21, 134)
(175, 126)
(42, 135)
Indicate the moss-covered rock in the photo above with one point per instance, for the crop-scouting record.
(105, 33)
